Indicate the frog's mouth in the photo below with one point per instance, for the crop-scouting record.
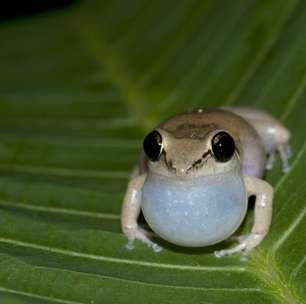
(194, 166)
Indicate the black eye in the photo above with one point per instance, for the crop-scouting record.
(223, 146)
(152, 145)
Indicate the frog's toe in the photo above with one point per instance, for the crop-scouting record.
(145, 237)
(219, 253)
(285, 153)
(130, 245)
(270, 161)
(246, 244)
(230, 251)
(138, 233)
(289, 151)
(286, 168)
(156, 247)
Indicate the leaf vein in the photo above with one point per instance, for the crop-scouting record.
(40, 297)
(65, 171)
(296, 270)
(48, 209)
(253, 67)
(290, 229)
(121, 261)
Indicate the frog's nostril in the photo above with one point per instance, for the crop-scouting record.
(181, 171)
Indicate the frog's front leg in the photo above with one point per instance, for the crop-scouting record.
(130, 212)
(263, 213)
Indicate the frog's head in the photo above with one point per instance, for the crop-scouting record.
(191, 150)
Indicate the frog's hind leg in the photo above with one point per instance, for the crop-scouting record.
(285, 153)
(274, 135)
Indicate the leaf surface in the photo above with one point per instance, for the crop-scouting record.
(80, 86)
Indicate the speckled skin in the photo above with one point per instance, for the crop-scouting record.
(187, 159)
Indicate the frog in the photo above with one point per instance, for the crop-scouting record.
(196, 173)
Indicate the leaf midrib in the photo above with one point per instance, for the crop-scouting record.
(267, 270)
(118, 73)
(266, 267)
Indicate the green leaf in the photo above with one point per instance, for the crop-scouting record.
(80, 86)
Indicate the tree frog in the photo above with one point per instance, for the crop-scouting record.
(196, 173)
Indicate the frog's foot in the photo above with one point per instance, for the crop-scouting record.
(270, 161)
(285, 153)
(141, 235)
(246, 244)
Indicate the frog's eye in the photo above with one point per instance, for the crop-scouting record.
(152, 145)
(223, 146)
